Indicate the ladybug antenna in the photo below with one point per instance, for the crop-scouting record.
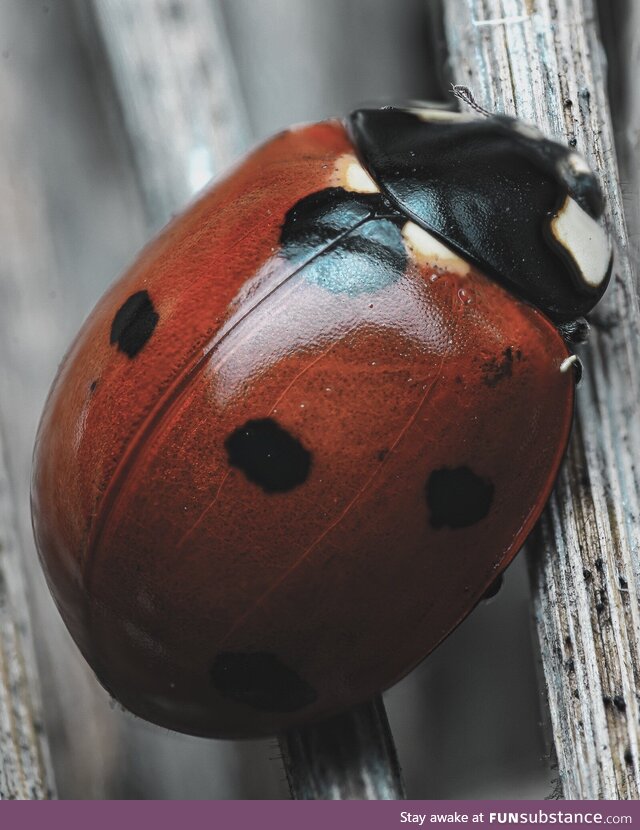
(463, 93)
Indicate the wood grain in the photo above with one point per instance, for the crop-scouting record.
(350, 756)
(178, 93)
(542, 59)
(25, 771)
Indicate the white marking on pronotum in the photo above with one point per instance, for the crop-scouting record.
(584, 240)
(351, 175)
(429, 114)
(358, 179)
(568, 362)
(429, 249)
(527, 130)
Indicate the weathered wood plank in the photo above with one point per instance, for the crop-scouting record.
(178, 93)
(350, 756)
(620, 29)
(542, 60)
(52, 162)
(304, 60)
(25, 770)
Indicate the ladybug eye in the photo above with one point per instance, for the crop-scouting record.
(580, 182)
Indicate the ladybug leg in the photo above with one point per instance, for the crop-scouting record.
(493, 589)
(575, 331)
(573, 363)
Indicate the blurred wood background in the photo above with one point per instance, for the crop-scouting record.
(73, 213)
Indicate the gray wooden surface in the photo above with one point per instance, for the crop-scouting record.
(24, 760)
(349, 756)
(177, 91)
(466, 722)
(620, 25)
(585, 559)
(25, 768)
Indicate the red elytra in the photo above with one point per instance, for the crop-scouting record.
(421, 423)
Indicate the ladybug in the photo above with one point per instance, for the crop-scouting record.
(294, 445)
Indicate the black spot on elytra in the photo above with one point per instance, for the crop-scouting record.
(499, 368)
(268, 455)
(93, 386)
(457, 497)
(134, 323)
(262, 681)
(347, 242)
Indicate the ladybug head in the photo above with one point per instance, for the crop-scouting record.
(522, 208)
